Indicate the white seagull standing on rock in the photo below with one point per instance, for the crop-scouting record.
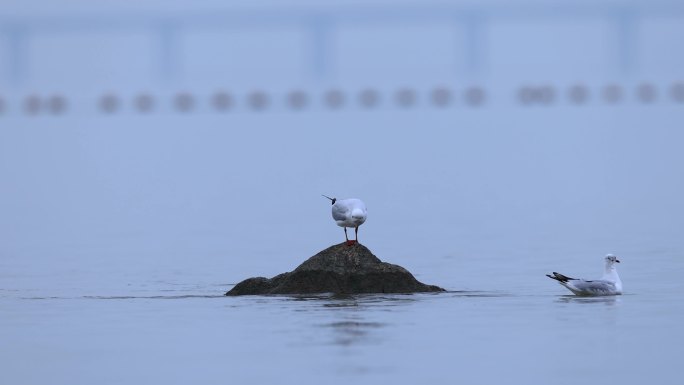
(609, 284)
(348, 213)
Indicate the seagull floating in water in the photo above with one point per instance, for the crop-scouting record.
(348, 213)
(609, 284)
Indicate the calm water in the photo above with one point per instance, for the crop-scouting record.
(501, 322)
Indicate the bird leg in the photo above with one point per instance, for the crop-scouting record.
(356, 233)
(349, 243)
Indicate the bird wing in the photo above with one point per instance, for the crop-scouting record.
(339, 212)
(597, 287)
(560, 277)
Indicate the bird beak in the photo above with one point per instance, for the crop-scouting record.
(331, 199)
(617, 260)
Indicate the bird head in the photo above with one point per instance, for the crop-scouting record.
(333, 200)
(610, 258)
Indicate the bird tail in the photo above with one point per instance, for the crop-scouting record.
(560, 277)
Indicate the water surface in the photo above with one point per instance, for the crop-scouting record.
(518, 328)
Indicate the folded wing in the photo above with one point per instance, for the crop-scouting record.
(598, 287)
(340, 212)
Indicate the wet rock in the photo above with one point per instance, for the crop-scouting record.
(343, 269)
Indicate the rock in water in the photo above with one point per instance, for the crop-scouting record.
(341, 269)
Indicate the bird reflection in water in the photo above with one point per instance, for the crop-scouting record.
(607, 300)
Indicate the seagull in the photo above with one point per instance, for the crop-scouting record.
(609, 284)
(348, 213)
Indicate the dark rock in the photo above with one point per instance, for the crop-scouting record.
(341, 269)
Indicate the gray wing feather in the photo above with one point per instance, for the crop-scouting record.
(598, 287)
(339, 213)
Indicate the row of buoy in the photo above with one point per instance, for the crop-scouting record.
(610, 94)
(294, 100)
(185, 102)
